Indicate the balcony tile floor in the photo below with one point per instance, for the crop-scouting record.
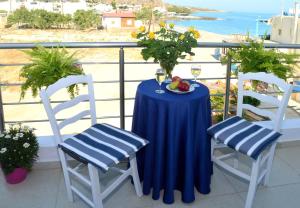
(44, 188)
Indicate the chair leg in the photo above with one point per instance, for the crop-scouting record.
(269, 164)
(94, 177)
(212, 146)
(253, 183)
(236, 161)
(135, 176)
(63, 160)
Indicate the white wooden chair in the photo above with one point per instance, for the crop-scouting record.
(254, 140)
(100, 147)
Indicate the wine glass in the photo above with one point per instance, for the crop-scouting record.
(160, 76)
(196, 70)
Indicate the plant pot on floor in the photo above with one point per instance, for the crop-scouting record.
(17, 176)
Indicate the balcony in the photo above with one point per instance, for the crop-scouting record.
(45, 188)
(45, 185)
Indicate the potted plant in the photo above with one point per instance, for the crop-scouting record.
(47, 67)
(18, 152)
(166, 45)
(253, 57)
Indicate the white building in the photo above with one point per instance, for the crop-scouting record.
(118, 19)
(283, 29)
(64, 7)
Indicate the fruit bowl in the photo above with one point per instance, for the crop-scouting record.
(180, 86)
(180, 92)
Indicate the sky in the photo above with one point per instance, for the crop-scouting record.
(259, 6)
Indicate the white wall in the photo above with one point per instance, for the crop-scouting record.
(283, 29)
(111, 22)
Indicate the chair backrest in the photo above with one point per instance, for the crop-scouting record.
(280, 104)
(63, 83)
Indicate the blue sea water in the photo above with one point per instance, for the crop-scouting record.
(228, 23)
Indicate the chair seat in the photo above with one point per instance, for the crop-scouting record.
(102, 145)
(243, 136)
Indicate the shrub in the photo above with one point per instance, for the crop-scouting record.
(42, 19)
(86, 19)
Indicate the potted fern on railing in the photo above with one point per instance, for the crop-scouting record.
(48, 66)
(253, 57)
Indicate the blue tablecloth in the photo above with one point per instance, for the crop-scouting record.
(178, 156)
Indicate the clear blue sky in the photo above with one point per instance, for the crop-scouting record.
(259, 6)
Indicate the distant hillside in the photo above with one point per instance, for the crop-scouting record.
(197, 9)
(136, 2)
(192, 9)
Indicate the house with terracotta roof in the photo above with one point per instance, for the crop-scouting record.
(118, 19)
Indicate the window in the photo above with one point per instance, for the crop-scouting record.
(129, 22)
(279, 31)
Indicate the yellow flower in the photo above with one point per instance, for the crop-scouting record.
(171, 25)
(162, 24)
(142, 29)
(133, 35)
(181, 37)
(151, 35)
(196, 34)
(191, 29)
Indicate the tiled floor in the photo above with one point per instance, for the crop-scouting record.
(44, 188)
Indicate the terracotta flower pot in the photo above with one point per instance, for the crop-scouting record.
(17, 176)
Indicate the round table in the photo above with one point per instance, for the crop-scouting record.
(178, 156)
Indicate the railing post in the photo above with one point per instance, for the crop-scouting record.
(227, 92)
(122, 87)
(1, 111)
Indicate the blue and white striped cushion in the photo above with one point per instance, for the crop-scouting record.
(103, 145)
(243, 136)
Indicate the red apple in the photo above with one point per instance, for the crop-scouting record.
(184, 86)
(176, 78)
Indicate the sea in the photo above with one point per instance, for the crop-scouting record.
(229, 23)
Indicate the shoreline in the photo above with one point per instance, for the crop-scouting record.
(193, 17)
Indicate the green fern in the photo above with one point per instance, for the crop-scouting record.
(253, 57)
(47, 67)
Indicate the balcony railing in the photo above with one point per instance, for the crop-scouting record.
(121, 81)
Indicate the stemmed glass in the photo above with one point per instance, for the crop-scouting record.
(196, 70)
(160, 76)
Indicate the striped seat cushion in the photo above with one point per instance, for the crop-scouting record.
(243, 136)
(103, 145)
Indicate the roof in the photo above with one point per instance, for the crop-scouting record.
(119, 14)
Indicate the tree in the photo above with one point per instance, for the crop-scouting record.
(144, 14)
(114, 4)
(86, 19)
(20, 16)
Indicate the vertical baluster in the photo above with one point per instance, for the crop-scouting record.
(1, 111)
(122, 87)
(227, 92)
